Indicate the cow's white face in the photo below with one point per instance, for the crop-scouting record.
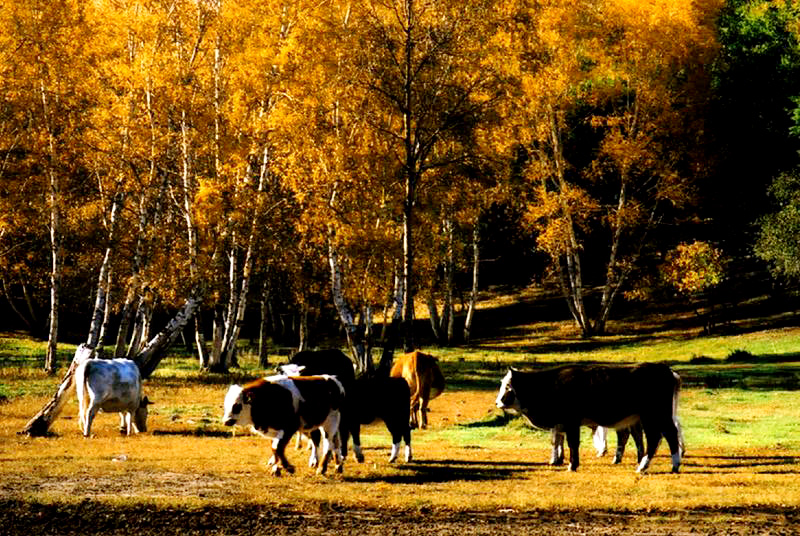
(506, 398)
(236, 411)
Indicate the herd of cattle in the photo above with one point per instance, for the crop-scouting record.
(318, 395)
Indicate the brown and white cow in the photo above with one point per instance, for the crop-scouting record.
(425, 380)
(368, 399)
(616, 397)
(332, 362)
(278, 406)
(111, 385)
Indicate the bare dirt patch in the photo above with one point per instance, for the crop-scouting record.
(94, 517)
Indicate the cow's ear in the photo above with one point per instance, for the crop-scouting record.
(246, 397)
(146, 401)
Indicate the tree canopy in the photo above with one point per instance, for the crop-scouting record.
(330, 161)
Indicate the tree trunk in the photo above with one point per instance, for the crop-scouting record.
(10, 299)
(125, 323)
(263, 354)
(152, 353)
(354, 335)
(103, 279)
(433, 315)
(54, 197)
(390, 337)
(448, 311)
(473, 297)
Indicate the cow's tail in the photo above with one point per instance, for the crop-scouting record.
(82, 391)
(675, 391)
(437, 385)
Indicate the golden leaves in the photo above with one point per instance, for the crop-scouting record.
(694, 267)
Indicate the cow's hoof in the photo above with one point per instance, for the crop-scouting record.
(340, 468)
(276, 470)
(289, 469)
(359, 457)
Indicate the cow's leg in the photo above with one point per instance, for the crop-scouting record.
(423, 406)
(557, 442)
(356, 435)
(347, 425)
(407, 439)
(638, 439)
(672, 434)
(600, 440)
(331, 443)
(400, 432)
(90, 419)
(279, 452)
(653, 434)
(314, 439)
(622, 439)
(573, 442)
(413, 422)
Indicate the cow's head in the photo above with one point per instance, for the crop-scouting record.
(140, 415)
(507, 398)
(237, 407)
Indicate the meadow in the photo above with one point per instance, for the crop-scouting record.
(738, 407)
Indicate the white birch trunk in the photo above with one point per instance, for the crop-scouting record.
(473, 297)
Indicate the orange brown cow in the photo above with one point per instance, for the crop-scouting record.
(425, 381)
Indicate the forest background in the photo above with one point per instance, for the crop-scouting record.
(287, 171)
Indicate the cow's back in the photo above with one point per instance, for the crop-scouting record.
(418, 367)
(114, 383)
(601, 394)
(331, 361)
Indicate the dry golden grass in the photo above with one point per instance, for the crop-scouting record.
(188, 459)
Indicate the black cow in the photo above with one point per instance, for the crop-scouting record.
(367, 399)
(387, 399)
(616, 397)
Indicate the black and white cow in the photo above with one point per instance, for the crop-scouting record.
(616, 397)
(278, 406)
(111, 385)
(368, 399)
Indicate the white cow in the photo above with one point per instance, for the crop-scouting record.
(111, 385)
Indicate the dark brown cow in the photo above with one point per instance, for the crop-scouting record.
(278, 406)
(616, 397)
(425, 380)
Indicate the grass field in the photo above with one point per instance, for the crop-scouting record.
(739, 410)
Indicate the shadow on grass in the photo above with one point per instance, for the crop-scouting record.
(197, 432)
(755, 464)
(439, 471)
